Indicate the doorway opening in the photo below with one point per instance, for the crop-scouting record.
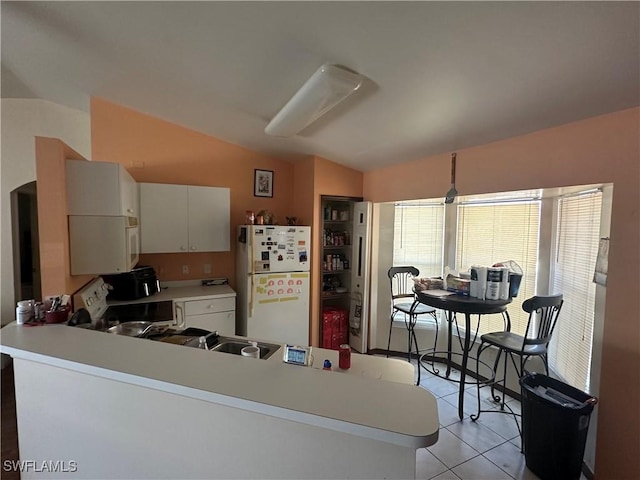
(26, 250)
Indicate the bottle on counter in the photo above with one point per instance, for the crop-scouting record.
(24, 311)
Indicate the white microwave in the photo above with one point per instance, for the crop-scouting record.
(103, 244)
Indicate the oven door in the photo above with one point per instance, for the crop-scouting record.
(159, 313)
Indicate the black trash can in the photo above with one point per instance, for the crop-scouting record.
(555, 420)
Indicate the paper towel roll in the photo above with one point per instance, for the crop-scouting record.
(494, 280)
(473, 288)
(504, 284)
(482, 282)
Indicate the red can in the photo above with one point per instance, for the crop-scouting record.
(344, 356)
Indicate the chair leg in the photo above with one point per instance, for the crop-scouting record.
(504, 379)
(435, 341)
(493, 381)
(495, 371)
(415, 341)
(476, 416)
(390, 327)
(546, 364)
(409, 344)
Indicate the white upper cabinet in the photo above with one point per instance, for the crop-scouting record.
(184, 218)
(100, 188)
(163, 218)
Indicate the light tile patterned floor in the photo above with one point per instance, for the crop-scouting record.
(466, 450)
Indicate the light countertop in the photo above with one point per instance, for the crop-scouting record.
(360, 402)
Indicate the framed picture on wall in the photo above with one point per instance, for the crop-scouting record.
(263, 183)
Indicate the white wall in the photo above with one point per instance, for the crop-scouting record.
(22, 120)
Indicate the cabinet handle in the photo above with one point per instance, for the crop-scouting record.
(183, 248)
(179, 320)
(193, 247)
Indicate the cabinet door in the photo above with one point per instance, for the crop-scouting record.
(98, 244)
(128, 194)
(209, 219)
(222, 322)
(163, 218)
(100, 188)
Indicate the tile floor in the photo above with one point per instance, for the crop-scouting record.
(486, 449)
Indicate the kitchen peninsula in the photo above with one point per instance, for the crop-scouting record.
(123, 407)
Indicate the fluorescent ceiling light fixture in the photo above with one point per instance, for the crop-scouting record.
(327, 87)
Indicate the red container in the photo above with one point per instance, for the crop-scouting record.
(344, 356)
(58, 316)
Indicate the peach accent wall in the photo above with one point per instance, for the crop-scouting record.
(156, 151)
(53, 227)
(597, 150)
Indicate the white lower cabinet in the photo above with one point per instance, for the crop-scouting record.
(222, 322)
(214, 314)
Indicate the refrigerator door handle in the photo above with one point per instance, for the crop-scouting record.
(251, 291)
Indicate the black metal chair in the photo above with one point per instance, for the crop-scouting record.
(403, 301)
(543, 314)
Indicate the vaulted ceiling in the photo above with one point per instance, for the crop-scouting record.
(440, 75)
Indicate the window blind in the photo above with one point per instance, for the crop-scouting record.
(576, 249)
(488, 233)
(418, 236)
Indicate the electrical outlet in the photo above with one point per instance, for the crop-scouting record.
(207, 268)
(185, 269)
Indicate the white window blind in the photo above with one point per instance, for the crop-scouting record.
(488, 233)
(418, 236)
(576, 249)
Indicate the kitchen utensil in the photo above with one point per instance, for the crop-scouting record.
(131, 329)
(179, 339)
(80, 317)
(451, 194)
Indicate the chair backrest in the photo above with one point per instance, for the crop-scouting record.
(543, 314)
(401, 281)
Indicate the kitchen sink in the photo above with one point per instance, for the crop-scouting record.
(234, 346)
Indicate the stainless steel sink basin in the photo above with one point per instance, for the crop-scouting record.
(235, 346)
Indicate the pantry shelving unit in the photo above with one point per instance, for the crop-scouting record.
(337, 234)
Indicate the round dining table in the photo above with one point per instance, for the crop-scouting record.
(454, 303)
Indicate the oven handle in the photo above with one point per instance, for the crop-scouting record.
(179, 314)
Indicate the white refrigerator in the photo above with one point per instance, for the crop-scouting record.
(272, 283)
